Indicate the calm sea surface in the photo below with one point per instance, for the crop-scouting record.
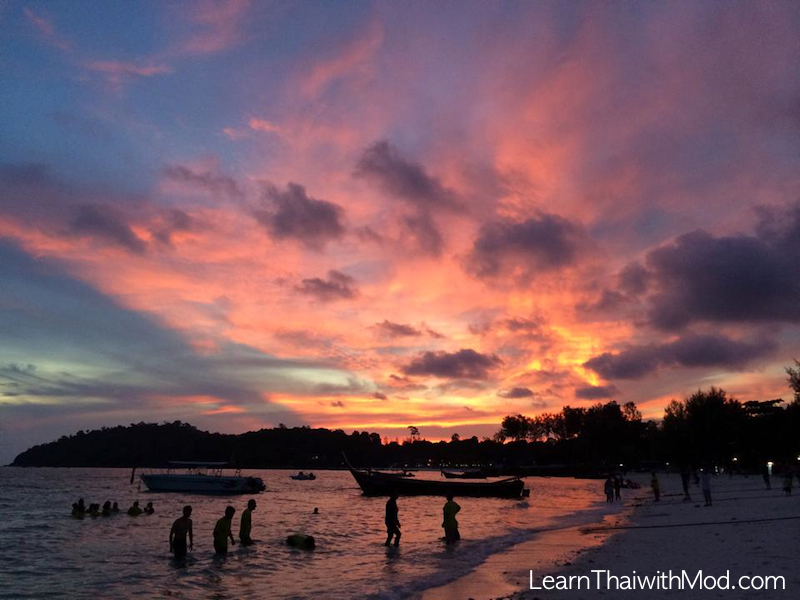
(44, 553)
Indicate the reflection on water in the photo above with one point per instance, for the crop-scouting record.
(47, 554)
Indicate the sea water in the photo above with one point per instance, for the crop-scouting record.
(45, 553)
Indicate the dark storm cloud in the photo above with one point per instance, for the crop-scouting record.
(688, 351)
(736, 279)
(337, 286)
(106, 223)
(542, 243)
(700, 277)
(400, 330)
(596, 392)
(210, 181)
(172, 221)
(516, 324)
(396, 330)
(633, 279)
(293, 214)
(383, 165)
(31, 194)
(464, 364)
(517, 392)
(421, 228)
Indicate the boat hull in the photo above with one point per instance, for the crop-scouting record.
(464, 475)
(202, 484)
(381, 484)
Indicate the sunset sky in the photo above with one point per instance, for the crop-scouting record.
(366, 215)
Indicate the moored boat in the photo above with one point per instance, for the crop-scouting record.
(476, 474)
(303, 476)
(374, 483)
(202, 478)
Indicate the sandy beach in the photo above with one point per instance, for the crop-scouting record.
(749, 532)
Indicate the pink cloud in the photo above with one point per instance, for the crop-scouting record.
(47, 30)
(116, 68)
(116, 72)
(235, 134)
(214, 26)
(353, 58)
(264, 126)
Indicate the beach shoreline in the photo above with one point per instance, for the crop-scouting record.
(504, 574)
(749, 532)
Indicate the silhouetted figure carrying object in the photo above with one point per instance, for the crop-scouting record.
(302, 541)
(449, 523)
(705, 485)
(149, 510)
(656, 486)
(246, 524)
(222, 531)
(392, 522)
(608, 488)
(177, 535)
(134, 510)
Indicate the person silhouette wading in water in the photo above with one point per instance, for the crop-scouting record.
(392, 522)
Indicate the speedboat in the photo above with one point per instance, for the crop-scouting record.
(201, 478)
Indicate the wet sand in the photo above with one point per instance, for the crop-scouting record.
(749, 531)
(506, 573)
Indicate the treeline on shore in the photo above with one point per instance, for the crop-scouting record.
(709, 427)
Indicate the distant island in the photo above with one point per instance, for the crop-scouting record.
(707, 428)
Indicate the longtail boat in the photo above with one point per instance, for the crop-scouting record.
(477, 474)
(375, 483)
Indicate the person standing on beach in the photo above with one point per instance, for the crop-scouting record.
(617, 488)
(608, 488)
(246, 524)
(177, 535)
(392, 522)
(222, 531)
(656, 486)
(450, 524)
(685, 475)
(765, 477)
(705, 485)
(788, 476)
